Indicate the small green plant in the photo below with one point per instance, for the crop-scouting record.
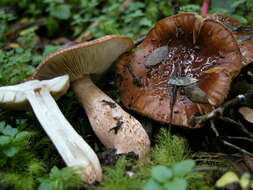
(60, 179)
(245, 181)
(4, 19)
(11, 140)
(169, 178)
(58, 9)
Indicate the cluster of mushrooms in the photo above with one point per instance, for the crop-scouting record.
(183, 68)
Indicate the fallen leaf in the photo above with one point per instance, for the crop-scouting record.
(227, 178)
(247, 113)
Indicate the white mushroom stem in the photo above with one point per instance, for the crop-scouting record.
(113, 126)
(73, 149)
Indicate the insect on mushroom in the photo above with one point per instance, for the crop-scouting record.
(185, 64)
(80, 61)
(73, 149)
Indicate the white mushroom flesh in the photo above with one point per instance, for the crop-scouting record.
(73, 149)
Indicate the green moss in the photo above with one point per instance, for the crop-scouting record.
(117, 178)
(169, 149)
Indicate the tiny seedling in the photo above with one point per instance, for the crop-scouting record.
(60, 179)
(169, 178)
(11, 139)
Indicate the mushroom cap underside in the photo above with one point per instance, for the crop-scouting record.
(13, 97)
(242, 33)
(92, 57)
(179, 47)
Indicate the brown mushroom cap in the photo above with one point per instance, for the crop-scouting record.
(146, 75)
(243, 34)
(93, 57)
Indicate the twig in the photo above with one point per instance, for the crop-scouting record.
(236, 147)
(87, 33)
(96, 23)
(240, 138)
(18, 27)
(217, 155)
(208, 169)
(239, 100)
(237, 124)
(228, 143)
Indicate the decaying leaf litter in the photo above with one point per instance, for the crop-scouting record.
(215, 118)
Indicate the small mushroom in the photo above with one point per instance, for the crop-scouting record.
(114, 127)
(242, 33)
(73, 149)
(201, 60)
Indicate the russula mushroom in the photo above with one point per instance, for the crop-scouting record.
(73, 149)
(114, 127)
(242, 33)
(183, 67)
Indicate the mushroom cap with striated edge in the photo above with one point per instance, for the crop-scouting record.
(13, 97)
(242, 33)
(200, 50)
(92, 57)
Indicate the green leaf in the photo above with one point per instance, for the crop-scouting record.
(145, 22)
(61, 12)
(10, 151)
(54, 1)
(2, 126)
(5, 140)
(161, 173)
(152, 185)
(10, 131)
(50, 49)
(55, 172)
(241, 19)
(190, 8)
(224, 4)
(238, 3)
(180, 169)
(45, 186)
(176, 184)
(22, 135)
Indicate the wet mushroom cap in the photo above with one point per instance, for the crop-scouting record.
(147, 75)
(93, 57)
(242, 33)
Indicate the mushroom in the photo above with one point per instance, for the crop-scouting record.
(183, 67)
(73, 149)
(114, 127)
(242, 33)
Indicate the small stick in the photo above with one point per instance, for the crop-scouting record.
(240, 138)
(96, 23)
(239, 125)
(236, 147)
(228, 143)
(208, 169)
(240, 99)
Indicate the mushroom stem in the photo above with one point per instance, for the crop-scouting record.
(73, 149)
(113, 126)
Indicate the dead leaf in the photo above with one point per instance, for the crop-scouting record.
(247, 113)
(157, 56)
